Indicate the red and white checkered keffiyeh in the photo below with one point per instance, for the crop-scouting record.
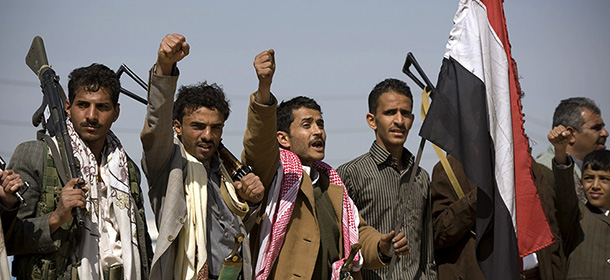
(281, 205)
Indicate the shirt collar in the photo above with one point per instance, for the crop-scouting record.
(382, 156)
(313, 174)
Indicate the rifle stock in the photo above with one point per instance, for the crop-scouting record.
(54, 99)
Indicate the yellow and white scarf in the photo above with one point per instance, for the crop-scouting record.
(189, 261)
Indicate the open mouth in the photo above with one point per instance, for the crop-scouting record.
(318, 145)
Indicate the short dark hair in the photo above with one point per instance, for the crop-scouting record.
(284, 111)
(193, 97)
(384, 86)
(569, 112)
(598, 160)
(92, 78)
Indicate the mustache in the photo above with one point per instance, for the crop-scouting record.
(208, 142)
(316, 138)
(401, 127)
(89, 123)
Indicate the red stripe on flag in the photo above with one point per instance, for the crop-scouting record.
(533, 231)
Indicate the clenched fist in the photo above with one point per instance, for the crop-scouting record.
(560, 138)
(250, 188)
(172, 49)
(264, 64)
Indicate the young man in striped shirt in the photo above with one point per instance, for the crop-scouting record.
(375, 179)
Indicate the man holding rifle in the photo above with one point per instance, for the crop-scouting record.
(113, 241)
(375, 180)
(198, 208)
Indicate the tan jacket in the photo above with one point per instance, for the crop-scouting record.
(299, 252)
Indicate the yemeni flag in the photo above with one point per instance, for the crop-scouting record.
(476, 116)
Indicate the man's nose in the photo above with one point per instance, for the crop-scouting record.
(91, 114)
(317, 130)
(604, 132)
(206, 134)
(399, 119)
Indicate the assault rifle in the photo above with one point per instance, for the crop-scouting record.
(53, 105)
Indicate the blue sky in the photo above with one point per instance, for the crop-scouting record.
(333, 51)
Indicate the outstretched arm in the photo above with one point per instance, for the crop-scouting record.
(157, 134)
(566, 201)
(261, 149)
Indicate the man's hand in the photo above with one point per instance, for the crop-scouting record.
(250, 188)
(264, 64)
(391, 241)
(560, 138)
(172, 49)
(10, 183)
(69, 198)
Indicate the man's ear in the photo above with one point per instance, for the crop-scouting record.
(370, 119)
(283, 139)
(68, 106)
(117, 108)
(572, 135)
(178, 127)
(412, 117)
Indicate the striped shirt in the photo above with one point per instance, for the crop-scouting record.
(374, 182)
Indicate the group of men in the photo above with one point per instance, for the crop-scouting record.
(292, 217)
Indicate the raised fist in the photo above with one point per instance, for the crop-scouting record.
(172, 49)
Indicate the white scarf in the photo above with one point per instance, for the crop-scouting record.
(120, 205)
(190, 261)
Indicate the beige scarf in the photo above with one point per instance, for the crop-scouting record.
(189, 260)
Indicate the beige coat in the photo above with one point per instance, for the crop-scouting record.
(299, 252)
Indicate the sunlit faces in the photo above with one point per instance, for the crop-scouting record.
(200, 132)
(307, 137)
(392, 120)
(596, 184)
(591, 137)
(92, 114)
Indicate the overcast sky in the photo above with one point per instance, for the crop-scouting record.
(333, 51)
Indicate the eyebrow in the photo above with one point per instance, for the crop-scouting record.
(202, 123)
(307, 119)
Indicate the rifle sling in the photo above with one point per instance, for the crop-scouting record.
(61, 168)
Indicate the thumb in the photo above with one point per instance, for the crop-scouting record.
(237, 185)
(387, 237)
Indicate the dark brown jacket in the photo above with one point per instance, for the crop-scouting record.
(454, 220)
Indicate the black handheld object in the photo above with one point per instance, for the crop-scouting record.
(54, 100)
(235, 168)
(21, 190)
(405, 69)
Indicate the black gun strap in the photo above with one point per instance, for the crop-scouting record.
(59, 165)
